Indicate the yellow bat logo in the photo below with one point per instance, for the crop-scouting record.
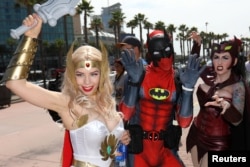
(159, 93)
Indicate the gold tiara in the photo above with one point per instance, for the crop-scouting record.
(87, 64)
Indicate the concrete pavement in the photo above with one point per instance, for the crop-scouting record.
(186, 157)
(29, 137)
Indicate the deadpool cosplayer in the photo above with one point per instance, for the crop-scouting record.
(223, 120)
(154, 96)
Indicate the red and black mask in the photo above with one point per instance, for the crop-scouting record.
(159, 46)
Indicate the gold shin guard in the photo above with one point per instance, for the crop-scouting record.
(20, 63)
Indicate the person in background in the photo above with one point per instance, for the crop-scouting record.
(85, 104)
(55, 86)
(119, 80)
(131, 43)
(221, 97)
(153, 97)
(247, 65)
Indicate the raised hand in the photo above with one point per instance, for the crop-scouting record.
(191, 73)
(50, 11)
(134, 68)
(195, 36)
(35, 22)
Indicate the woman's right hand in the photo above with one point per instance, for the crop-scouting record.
(35, 22)
(125, 139)
(219, 102)
(196, 37)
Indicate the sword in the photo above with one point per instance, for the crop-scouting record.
(50, 12)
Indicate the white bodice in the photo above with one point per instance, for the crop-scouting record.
(86, 141)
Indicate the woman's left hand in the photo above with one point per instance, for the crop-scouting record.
(219, 102)
(125, 139)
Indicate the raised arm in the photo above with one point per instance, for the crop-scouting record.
(196, 43)
(188, 79)
(135, 73)
(19, 66)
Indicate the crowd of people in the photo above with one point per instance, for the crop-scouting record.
(146, 106)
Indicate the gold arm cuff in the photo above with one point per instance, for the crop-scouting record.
(20, 63)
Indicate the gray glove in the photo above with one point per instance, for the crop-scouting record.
(134, 68)
(190, 74)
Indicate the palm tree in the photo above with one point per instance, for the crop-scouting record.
(171, 29)
(85, 7)
(140, 18)
(112, 25)
(4, 50)
(224, 36)
(182, 28)
(28, 4)
(59, 43)
(132, 24)
(11, 43)
(203, 37)
(117, 20)
(160, 25)
(148, 26)
(96, 24)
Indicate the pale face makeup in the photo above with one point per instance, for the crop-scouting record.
(222, 62)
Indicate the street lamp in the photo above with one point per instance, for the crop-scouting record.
(207, 24)
(207, 46)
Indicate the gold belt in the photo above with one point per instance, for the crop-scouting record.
(83, 164)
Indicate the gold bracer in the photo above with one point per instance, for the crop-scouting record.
(20, 63)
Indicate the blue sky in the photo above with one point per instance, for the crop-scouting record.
(223, 16)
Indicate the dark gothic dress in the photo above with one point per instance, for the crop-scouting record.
(211, 131)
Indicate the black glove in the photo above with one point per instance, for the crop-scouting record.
(208, 75)
(134, 68)
(191, 73)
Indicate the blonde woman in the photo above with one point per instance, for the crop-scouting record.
(85, 104)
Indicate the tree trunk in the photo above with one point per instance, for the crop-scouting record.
(85, 27)
(97, 37)
(65, 31)
(142, 48)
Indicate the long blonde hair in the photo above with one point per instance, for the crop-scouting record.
(103, 97)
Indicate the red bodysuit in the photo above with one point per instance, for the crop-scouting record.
(157, 102)
(157, 97)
